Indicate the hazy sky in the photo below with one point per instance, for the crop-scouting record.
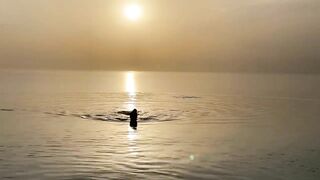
(174, 35)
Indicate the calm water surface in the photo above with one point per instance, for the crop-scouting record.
(70, 125)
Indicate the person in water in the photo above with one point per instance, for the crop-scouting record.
(133, 118)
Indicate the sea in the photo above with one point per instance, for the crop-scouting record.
(57, 124)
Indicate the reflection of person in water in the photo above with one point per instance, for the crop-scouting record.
(133, 119)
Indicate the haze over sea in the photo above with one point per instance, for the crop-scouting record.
(71, 125)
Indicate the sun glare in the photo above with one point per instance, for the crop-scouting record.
(133, 12)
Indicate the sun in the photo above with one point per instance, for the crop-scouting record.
(133, 12)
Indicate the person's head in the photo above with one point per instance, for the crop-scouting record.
(135, 111)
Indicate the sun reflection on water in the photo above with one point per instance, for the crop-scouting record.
(130, 88)
(130, 104)
(133, 149)
(132, 134)
(130, 83)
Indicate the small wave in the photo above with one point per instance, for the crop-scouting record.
(6, 109)
(124, 112)
(118, 116)
(187, 97)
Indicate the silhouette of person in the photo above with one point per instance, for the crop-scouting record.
(133, 119)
